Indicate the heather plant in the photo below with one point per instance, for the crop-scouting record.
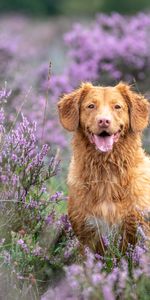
(32, 215)
(22, 72)
(105, 52)
(114, 276)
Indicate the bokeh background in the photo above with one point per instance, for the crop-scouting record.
(72, 8)
(103, 41)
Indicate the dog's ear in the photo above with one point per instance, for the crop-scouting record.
(68, 107)
(138, 107)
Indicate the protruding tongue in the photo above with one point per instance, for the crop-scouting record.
(104, 144)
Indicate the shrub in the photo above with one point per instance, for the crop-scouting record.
(33, 224)
(112, 48)
(113, 276)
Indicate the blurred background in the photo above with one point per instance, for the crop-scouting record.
(103, 41)
(72, 8)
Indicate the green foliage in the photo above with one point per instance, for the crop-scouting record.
(72, 7)
(35, 7)
(143, 289)
(125, 7)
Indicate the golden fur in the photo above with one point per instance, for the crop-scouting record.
(109, 189)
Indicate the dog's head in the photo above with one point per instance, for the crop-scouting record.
(105, 114)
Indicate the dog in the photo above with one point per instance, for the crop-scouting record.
(109, 172)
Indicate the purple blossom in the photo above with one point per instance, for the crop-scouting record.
(95, 57)
(108, 293)
(71, 246)
(65, 222)
(116, 282)
(56, 196)
(20, 242)
(23, 245)
(4, 94)
(24, 163)
(141, 232)
(37, 251)
(49, 220)
(96, 279)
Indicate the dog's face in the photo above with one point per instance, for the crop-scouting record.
(105, 114)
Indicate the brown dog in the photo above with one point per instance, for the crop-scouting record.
(109, 174)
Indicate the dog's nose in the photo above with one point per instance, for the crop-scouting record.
(104, 122)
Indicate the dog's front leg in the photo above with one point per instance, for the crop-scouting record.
(87, 236)
(129, 230)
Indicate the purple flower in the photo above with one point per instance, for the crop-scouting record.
(23, 163)
(56, 196)
(20, 242)
(23, 245)
(92, 59)
(37, 251)
(65, 222)
(96, 279)
(108, 293)
(49, 220)
(4, 94)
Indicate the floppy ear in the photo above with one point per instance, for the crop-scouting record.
(138, 107)
(68, 107)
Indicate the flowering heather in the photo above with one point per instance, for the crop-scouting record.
(21, 59)
(126, 279)
(105, 51)
(26, 199)
(22, 163)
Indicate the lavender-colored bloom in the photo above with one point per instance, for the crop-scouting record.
(4, 94)
(23, 245)
(108, 293)
(71, 246)
(137, 253)
(23, 163)
(20, 242)
(49, 220)
(91, 59)
(96, 279)
(141, 232)
(56, 196)
(37, 251)
(65, 222)
(7, 257)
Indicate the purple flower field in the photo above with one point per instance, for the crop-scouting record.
(39, 255)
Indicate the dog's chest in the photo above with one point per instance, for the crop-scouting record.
(104, 216)
(99, 192)
(106, 186)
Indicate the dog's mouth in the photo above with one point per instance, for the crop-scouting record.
(105, 140)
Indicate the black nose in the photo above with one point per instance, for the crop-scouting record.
(104, 122)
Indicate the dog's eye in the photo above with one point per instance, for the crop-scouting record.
(91, 106)
(117, 106)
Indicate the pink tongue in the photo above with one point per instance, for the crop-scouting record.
(104, 144)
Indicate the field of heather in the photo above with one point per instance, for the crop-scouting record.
(39, 61)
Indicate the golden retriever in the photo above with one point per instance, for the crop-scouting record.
(109, 173)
